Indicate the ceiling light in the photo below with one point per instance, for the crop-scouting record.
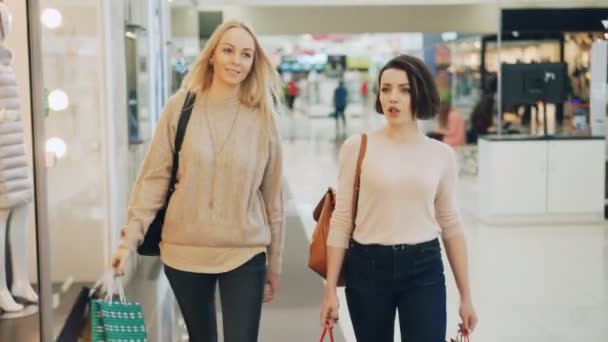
(58, 100)
(56, 146)
(448, 36)
(51, 18)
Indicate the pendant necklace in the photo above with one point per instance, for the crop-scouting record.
(217, 152)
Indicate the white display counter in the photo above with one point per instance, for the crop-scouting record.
(532, 179)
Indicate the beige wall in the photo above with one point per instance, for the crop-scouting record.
(184, 22)
(347, 16)
(364, 19)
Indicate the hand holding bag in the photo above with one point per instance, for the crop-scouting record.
(117, 320)
(327, 329)
(150, 244)
(461, 336)
(317, 259)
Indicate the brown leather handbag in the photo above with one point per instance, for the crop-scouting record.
(317, 259)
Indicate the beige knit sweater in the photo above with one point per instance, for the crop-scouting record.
(245, 187)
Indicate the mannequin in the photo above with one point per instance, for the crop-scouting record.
(15, 184)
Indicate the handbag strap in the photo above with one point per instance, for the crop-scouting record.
(326, 329)
(179, 139)
(357, 184)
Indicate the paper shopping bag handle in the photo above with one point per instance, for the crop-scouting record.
(463, 335)
(331, 333)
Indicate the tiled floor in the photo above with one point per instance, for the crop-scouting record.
(294, 316)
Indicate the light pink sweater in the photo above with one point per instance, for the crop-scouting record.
(456, 130)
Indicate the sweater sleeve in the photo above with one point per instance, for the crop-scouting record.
(456, 131)
(272, 193)
(150, 189)
(446, 206)
(340, 227)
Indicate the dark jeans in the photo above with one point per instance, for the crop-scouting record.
(340, 115)
(241, 293)
(383, 279)
(291, 99)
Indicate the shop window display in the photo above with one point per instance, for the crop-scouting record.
(543, 114)
(516, 49)
(467, 74)
(86, 133)
(578, 49)
(16, 189)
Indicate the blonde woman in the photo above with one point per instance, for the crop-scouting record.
(224, 222)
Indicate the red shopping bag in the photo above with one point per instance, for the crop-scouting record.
(325, 331)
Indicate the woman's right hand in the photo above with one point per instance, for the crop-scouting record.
(329, 308)
(119, 260)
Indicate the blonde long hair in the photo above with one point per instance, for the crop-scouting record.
(259, 90)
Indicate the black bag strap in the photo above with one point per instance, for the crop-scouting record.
(179, 139)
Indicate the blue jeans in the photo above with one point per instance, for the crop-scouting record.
(241, 292)
(383, 279)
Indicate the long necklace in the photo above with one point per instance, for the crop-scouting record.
(217, 152)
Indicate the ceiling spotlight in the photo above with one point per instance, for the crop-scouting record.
(51, 18)
(58, 100)
(56, 146)
(448, 36)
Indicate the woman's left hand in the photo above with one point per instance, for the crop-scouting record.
(468, 316)
(272, 286)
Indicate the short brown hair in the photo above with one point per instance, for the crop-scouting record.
(423, 91)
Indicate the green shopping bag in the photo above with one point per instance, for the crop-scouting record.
(117, 321)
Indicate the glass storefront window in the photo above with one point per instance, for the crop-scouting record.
(556, 42)
(19, 296)
(99, 99)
